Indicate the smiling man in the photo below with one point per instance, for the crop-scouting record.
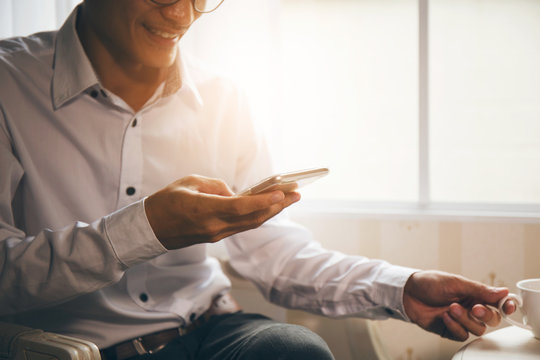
(103, 225)
(133, 45)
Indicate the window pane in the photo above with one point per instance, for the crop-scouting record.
(485, 100)
(32, 16)
(6, 21)
(349, 96)
(24, 17)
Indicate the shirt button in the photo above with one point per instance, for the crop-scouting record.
(143, 297)
(130, 190)
(94, 94)
(134, 123)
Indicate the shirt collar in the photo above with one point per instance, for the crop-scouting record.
(73, 72)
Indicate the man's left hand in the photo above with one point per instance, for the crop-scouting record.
(451, 305)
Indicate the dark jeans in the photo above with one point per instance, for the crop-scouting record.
(241, 336)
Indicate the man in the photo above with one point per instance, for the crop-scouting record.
(103, 225)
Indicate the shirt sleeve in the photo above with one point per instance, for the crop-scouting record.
(291, 269)
(55, 266)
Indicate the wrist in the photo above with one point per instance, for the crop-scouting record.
(410, 299)
(131, 236)
(411, 284)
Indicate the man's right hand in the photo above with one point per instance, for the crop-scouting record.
(451, 305)
(197, 209)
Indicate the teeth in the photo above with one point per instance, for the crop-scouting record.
(163, 34)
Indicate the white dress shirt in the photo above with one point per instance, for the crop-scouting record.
(77, 254)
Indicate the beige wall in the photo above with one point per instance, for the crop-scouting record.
(494, 252)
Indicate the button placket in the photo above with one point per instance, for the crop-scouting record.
(136, 286)
(132, 163)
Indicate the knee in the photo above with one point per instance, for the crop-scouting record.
(286, 341)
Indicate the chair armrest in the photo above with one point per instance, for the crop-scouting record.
(23, 343)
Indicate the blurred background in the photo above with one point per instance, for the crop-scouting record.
(427, 113)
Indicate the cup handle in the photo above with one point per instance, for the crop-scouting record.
(519, 303)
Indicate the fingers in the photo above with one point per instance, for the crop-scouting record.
(486, 315)
(257, 218)
(465, 321)
(206, 185)
(509, 307)
(271, 211)
(223, 200)
(231, 223)
(460, 322)
(244, 205)
(454, 331)
(203, 184)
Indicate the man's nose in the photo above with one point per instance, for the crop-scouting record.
(181, 12)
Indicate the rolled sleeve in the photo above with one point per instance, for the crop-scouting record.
(131, 235)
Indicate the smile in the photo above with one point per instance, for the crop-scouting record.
(163, 34)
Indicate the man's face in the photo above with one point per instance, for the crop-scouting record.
(140, 31)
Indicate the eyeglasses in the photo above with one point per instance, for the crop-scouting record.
(202, 6)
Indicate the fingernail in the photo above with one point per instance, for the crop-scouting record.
(479, 312)
(456, 310)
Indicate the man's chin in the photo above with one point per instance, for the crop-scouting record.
(161, 62)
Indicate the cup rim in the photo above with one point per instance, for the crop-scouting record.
(522, 285)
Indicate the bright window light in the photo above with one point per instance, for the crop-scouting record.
(485, 101)
(349, 96)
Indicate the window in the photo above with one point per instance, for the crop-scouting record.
(350, 95)
(24, 17)
(485, 101)
(426, 103)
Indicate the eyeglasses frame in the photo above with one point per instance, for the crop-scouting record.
(168, 3)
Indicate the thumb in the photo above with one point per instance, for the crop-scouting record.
(214, 187)
(487, 294)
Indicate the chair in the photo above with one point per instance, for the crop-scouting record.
(23, 343)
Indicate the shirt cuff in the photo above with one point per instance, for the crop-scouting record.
(131, 235)
(390, 286)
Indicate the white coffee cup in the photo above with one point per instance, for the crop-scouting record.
(528, 301)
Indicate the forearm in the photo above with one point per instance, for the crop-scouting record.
(55, 266)
(298, 273)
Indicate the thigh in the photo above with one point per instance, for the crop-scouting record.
(243, 336)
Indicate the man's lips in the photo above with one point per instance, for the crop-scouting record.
(164, 35)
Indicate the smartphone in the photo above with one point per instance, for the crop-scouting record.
(286, 182)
